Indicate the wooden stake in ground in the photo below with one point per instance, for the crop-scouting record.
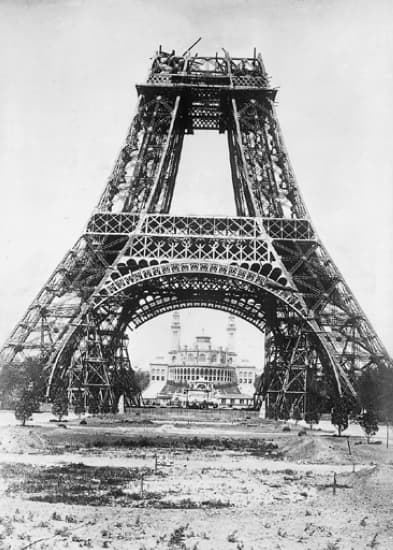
(349, 446)
(334, 483)
(142, 475)
(155, 463)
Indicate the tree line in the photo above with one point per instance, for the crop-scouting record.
(374, 387)
(23, 389)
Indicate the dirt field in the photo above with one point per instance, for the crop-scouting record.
(144, 485)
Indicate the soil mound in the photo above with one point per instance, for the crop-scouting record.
(19, 439)
(315, 450)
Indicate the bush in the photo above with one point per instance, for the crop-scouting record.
(339, 416)
(296, 414)
(60, 404)
(16, 379)
(369, 422)
(26, 405)
(312, 417)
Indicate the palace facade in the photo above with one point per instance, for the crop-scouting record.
(201, 374)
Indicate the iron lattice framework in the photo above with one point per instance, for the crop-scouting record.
(135, 261)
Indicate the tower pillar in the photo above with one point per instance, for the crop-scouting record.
(231, 330)
(175, 328)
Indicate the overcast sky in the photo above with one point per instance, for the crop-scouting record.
(68, 69)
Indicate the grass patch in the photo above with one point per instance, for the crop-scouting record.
(94, 486)
(189, 504)
(76, 484)
(258, 447)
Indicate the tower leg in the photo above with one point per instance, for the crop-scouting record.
(101, 372)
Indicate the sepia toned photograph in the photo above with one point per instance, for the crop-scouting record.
(196, 324)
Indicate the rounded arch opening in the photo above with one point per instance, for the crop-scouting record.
(140, 296)
(151, 342)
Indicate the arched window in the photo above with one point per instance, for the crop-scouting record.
(202, 357)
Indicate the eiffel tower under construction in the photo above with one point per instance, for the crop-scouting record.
(135, 260)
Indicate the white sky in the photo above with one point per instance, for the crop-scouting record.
(68, 70)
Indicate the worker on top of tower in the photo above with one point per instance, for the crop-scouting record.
(168, 62)
(246, 67)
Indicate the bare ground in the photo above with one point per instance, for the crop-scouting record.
(246, 486)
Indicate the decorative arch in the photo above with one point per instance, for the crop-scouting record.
(145, 293)
(223, 272)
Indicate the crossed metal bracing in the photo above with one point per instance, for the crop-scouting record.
(225, 94)
(331, 302)
(292, 370)
(135, 261)
(105, 223)
(96, 378)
